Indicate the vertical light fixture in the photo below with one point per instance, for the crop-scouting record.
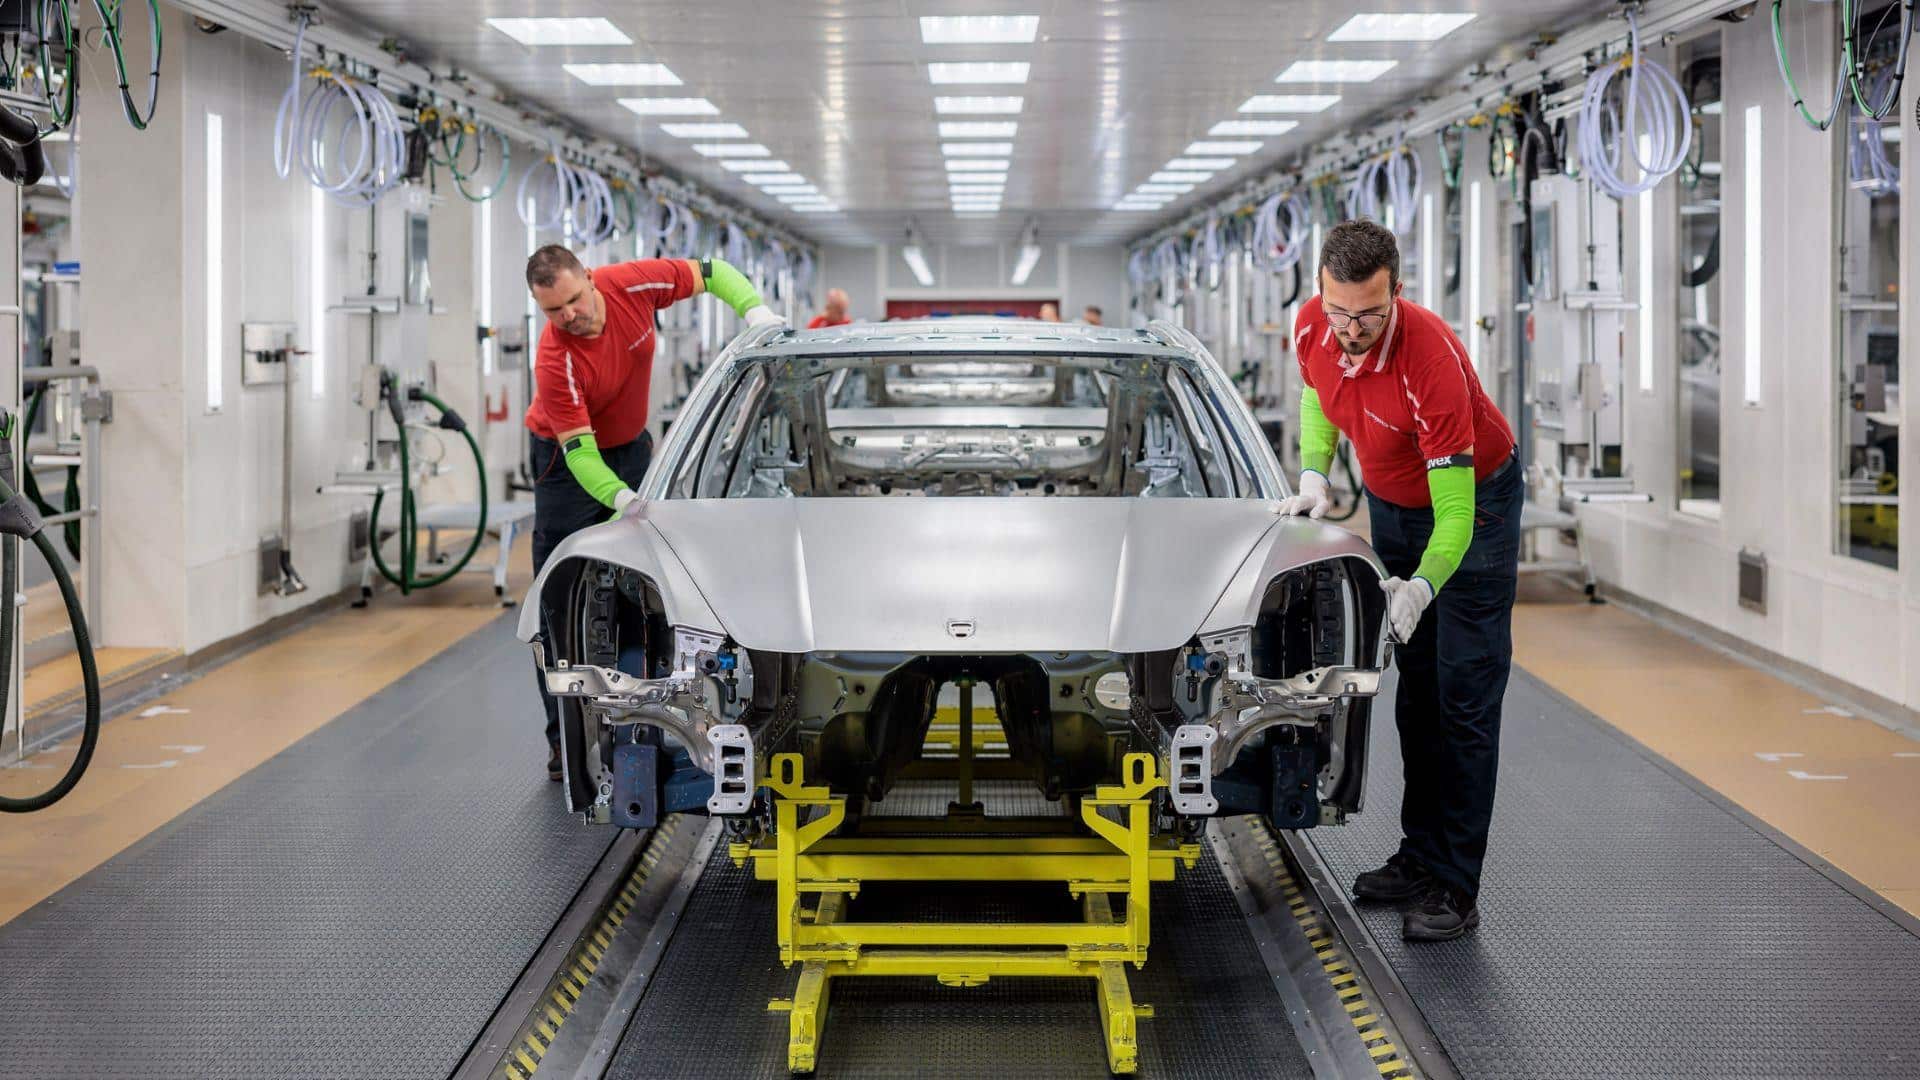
(483, 284)
(216, 318)
(531, 351)
(1753, 258)
(1429, 259)
(1472, 239)
(1029, 254)
(916, 257)
(316, 292)
(1646, 276)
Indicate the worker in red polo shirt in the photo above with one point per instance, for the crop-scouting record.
(588, 417)
(1443, 499)
(835, 313)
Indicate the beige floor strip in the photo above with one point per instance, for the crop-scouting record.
(169, 754)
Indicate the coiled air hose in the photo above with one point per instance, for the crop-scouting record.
(405, 577)
(1654, 108)
(18, 520)
(358, 161)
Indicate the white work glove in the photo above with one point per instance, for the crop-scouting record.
(623, 499)
(762, 315)
(1312, 501)
(1406, 602)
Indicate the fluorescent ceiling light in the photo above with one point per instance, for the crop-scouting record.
(1288, 103)
(965, 183)
(671, 106)
(731, 149)
(917, 262)
(1202, 163)
(979, 29)
(1132, 204)
(978, 178)
(979, 201)
(1029, 258)
(1179, 177)
(789, 191)
(594, 31)
(976, 213)
(978, 71)
(1163, 189)
(1252, 127)
(978, 105)
(982, 165)
(977, 149)
(814, 208)
(1380, 26)
(755, 165)
(764, 179)
(978, 129)
(623, 74)
(1230, 146)
(705, 131)
(1321, 71)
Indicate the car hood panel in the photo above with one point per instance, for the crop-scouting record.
(1029, 574)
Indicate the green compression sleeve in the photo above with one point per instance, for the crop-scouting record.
(1452, 489)
(1318, 436)
(591, 471)
(730, 286)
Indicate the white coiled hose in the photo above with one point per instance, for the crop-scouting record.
(1654, 109)
(1868, 167)
(1280, 230)
(343, 134)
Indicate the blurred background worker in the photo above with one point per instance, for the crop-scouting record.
(1443, 495)
(835, 313)
(1092, 316)
(1049, 312)
(590, 391)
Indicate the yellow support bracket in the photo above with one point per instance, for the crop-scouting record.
(1116, 853)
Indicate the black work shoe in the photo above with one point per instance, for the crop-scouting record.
(1403, 878)
(1443, 914)
(553, 762)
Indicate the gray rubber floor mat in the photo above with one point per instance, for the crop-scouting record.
(354, 907)
(1633, 926)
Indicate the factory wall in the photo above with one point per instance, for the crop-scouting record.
(1074, 275)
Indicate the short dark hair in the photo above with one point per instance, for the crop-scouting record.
(546, 264)
(1095, 308)
(1354, 251)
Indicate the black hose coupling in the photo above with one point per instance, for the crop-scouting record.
(452, 421)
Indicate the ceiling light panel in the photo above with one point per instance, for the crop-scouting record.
(977, 106)
(978, 71)
(623, 74)
(1335, 71)
(561, 31)
(755, 165)
(1229, 146)
(977, 149)
(705, 131)
(731, 149)
(671, 106)
(1381, 26)
(1288, 103)
(978, 129)
(979, 29)
(977, 165)
(1203, 163)
(1251, 127)
(1179, 177)
(1163, 189)
(771, 179)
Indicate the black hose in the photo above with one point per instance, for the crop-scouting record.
(70, 532)
(22, 160)
(18, 520)
(1709, 265)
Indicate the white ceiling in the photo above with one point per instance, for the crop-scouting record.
(840, 90)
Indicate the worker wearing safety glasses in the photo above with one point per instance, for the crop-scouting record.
(1443, 499)
(588, 417)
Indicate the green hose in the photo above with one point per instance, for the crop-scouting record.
(405, 578)
(18, 521)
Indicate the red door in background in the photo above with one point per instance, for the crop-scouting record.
(922, 309)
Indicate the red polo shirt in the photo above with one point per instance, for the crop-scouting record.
(601, 382)
(1412, 400)
(822, 320)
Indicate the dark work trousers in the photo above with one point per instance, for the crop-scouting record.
(561, 507)
(1453, 675)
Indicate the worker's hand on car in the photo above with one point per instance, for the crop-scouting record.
(622, 500)
(1313, 499)
(762, 315)
(1406, 602)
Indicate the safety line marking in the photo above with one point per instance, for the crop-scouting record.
(542, 1029)
(1337, 963)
